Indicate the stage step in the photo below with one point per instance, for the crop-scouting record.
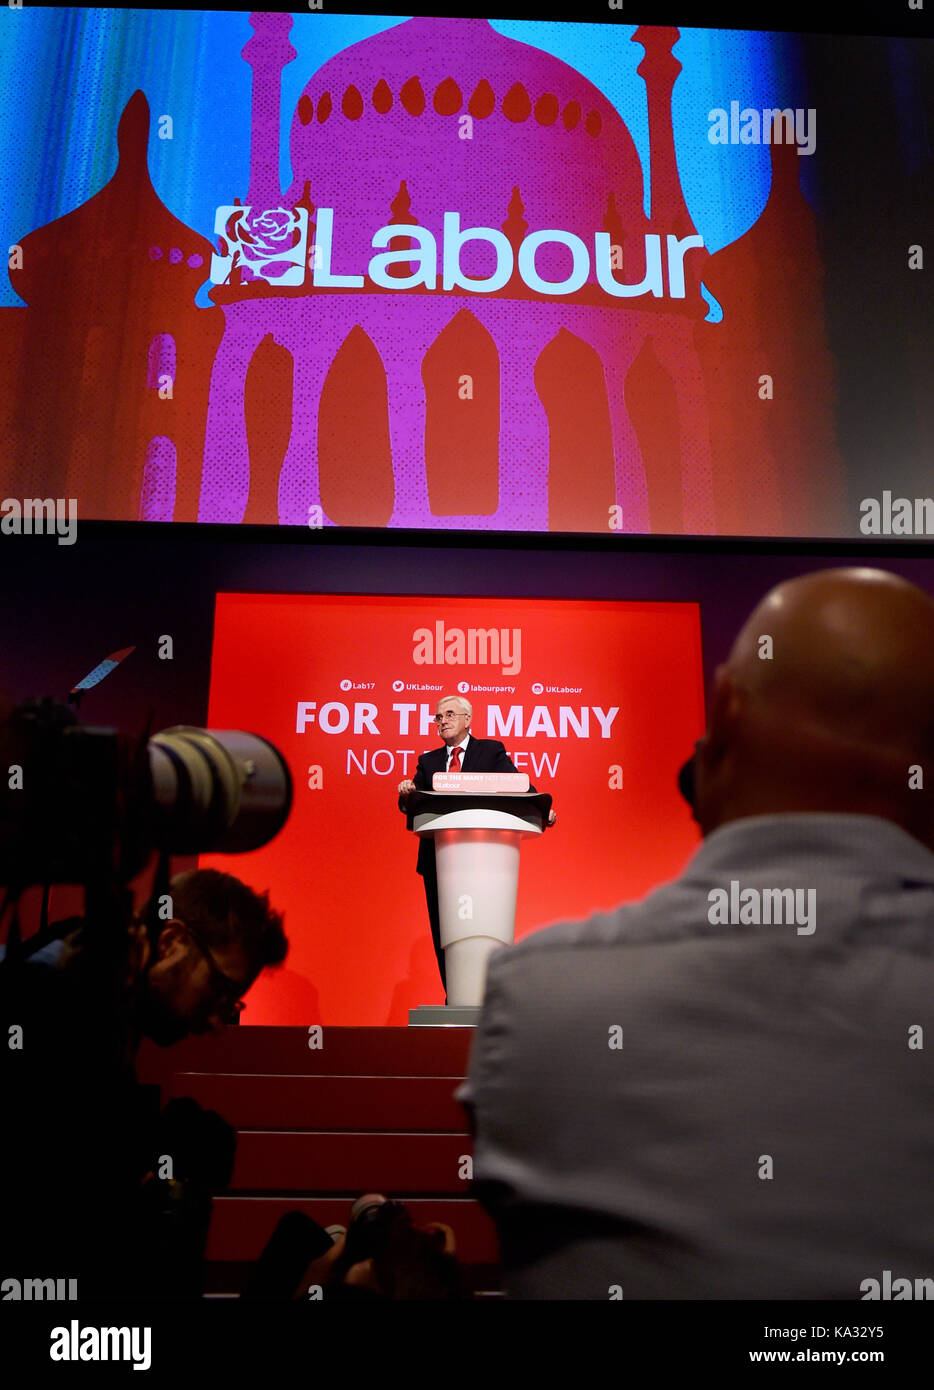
(358, 1110)
(333, 1052)
(251, 1101)
(271, 1160)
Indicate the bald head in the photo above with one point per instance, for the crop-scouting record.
(826, 701)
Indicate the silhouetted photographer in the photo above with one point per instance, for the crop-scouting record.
(96, 1186)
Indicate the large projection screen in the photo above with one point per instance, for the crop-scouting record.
(513, 276)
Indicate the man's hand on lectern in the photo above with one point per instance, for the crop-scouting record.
(407, 787)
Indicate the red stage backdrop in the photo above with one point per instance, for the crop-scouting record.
(599, 702)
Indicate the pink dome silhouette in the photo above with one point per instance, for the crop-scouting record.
(389, 108)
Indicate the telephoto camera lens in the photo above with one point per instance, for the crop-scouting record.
(224, 791)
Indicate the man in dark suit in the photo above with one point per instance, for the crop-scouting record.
(461, 752)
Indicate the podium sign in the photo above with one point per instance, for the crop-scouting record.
(511, 782)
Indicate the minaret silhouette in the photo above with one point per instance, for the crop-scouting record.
(668, 212)
(658, 69)
(267, 53)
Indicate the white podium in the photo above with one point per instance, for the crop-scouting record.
(477, 836)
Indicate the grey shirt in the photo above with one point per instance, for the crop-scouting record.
(668, 1106)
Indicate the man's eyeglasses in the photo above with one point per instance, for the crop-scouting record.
(226, 989)
(440, 718)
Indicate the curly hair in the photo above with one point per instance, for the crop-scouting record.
(225, 912)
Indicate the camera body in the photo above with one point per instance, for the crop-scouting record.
(371, 1229)
(82, 803)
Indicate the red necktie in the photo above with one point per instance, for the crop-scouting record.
(455, 763)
